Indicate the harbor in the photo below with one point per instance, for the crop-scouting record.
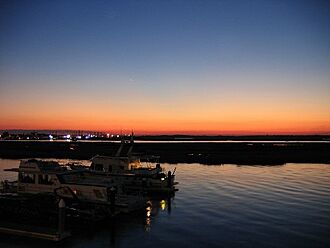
(78, 193)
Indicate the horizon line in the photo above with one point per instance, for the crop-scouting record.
(186, 133)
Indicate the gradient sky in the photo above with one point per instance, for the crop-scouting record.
(208, 67)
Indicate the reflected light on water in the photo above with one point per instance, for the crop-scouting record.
(163, 204)
(147, 226)
(148, 211)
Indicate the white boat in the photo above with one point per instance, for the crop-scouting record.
(49, 177)
(129, 171)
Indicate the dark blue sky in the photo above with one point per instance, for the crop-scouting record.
(166, 51)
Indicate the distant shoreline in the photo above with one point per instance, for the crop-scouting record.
(250, 153)
(179, 137)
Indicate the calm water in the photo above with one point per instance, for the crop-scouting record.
(220, 206)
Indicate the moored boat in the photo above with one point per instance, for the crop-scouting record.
(132, 173)
(75, 186)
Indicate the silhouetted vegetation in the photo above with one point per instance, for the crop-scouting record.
(181, 152)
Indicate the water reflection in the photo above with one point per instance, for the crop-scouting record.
(123, 228)
(147, 225)
(163, 204)
(154, 207)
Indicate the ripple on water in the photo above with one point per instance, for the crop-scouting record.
(229, 206)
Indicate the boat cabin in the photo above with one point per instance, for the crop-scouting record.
(38, 176)
(114, 164)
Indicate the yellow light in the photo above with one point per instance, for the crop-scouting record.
(163, 204)
(148, 211)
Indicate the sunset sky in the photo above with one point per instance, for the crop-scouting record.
(201, 67)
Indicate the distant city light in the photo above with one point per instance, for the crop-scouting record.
(50, 136)
(108, 135)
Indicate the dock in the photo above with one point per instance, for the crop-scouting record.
(17, 228)
(33, 232)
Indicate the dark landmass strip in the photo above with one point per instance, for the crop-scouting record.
(82, 135)
(206, 153)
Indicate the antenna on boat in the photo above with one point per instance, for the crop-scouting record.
(132, 143)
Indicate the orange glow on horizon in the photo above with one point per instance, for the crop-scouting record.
(172, 127)
(239, 115)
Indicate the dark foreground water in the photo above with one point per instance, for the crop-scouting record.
(219, 206)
